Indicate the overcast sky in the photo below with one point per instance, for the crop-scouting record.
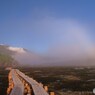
(52, 27)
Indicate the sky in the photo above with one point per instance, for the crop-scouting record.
(51, 27)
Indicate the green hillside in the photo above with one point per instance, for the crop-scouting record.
(4, 50)
(6, 61)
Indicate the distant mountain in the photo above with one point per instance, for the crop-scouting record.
(21, 55)
(6, 56)
(5, 49)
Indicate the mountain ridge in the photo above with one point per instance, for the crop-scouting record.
(21, 55)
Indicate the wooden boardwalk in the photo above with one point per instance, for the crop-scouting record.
(21, 84)
(16, 87)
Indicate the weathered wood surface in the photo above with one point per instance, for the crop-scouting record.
(18, 88)
(37, 88)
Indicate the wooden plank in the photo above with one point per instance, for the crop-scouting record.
(18, 88)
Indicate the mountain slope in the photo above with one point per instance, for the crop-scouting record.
(21, 55)
(7, 61)
(4, 50)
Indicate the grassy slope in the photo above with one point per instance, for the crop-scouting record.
(6, 60)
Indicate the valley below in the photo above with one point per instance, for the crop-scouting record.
(58, 79)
